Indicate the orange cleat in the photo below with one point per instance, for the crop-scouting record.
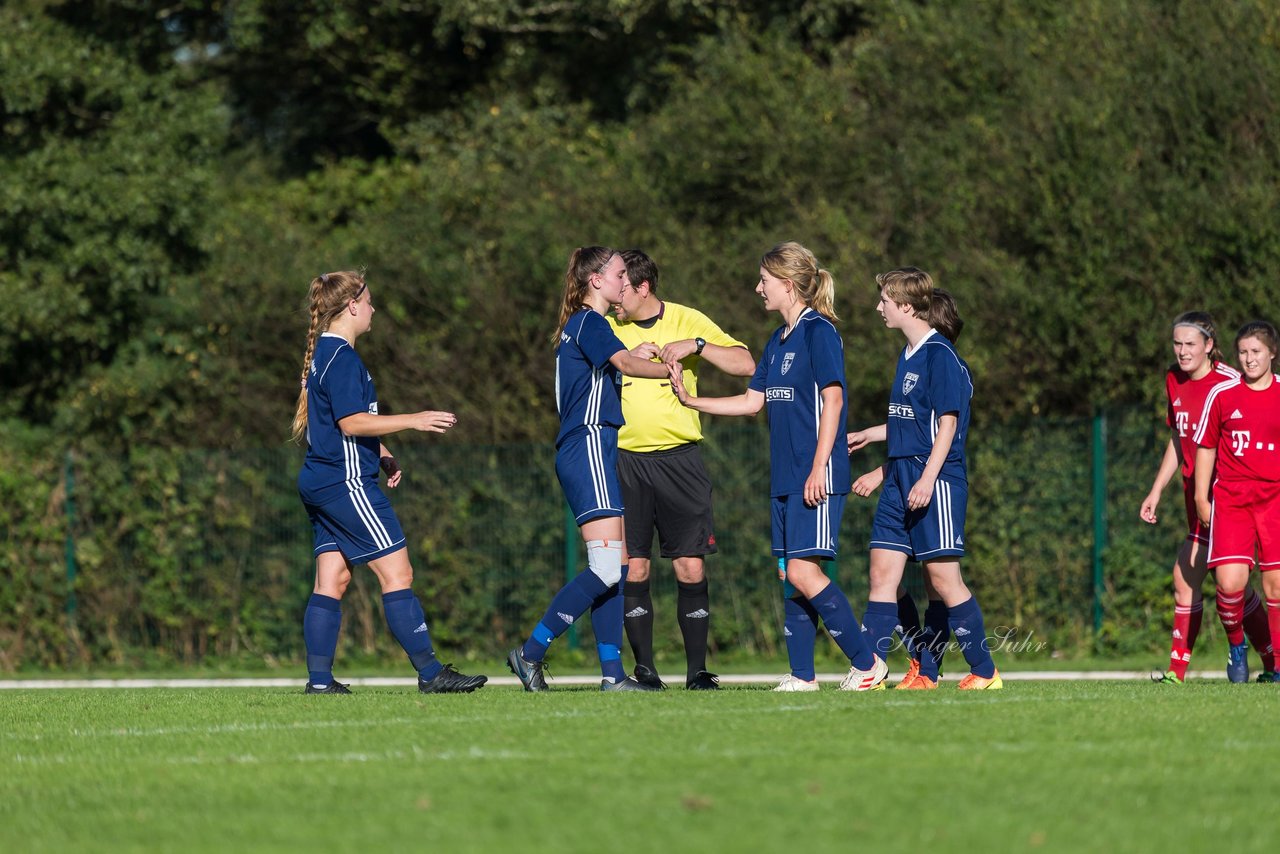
(919, 683)
(974, 682)
(912, 672)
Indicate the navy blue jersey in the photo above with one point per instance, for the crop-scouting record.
(338, 385)
(588, 387)
(791, 375)
(931, 381)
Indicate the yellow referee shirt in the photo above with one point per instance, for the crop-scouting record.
(655, 419)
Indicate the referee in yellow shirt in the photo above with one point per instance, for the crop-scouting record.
(664, 482)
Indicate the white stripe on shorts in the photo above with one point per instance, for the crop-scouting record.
(359, 499)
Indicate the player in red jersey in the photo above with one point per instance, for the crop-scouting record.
(1197, 369)
(1239, 433)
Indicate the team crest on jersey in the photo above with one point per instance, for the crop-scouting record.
(786, 362)
(909, 382)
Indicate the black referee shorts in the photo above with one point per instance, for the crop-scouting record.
(669, 490)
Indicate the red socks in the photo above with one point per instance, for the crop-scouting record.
(1186, 627)
(1231, 612)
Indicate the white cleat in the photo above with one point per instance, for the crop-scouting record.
(866, 680)
(791, 682)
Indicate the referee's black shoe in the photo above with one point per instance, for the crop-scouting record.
(450, 681)
(703, 681)
(334, 687)
(530, 673)
(649, 678)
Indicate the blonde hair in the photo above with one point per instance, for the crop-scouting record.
(584, 262)
(327, 297)
(814, 285)
(908, 286)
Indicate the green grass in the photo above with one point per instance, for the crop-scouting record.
(1054, 766)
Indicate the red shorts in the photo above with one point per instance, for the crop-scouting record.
(1197, 531)
(1246, 522)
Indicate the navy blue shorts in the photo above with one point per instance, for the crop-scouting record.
(587, 466)
(935, 530)
(361, 525)
(800, 531)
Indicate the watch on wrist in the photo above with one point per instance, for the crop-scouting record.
(701, 342)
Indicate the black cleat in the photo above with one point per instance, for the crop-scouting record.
(334, 687)
(703, 681)
(628, 684)
(649, 678)
(530, 673)
(450, 681)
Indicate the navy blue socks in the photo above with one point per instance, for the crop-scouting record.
(409, 625)
(965, 620)
(569, 604)
(933, 639)
(320, 624)
(606, 625)
(881, 620)
(908, 623)
(800, 628)
(837, 615)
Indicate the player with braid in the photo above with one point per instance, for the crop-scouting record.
(1197, 370)
(337, 415)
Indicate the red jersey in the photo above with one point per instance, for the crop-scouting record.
(1244, 425)
(1186, 404)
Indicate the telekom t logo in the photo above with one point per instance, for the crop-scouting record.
(1181, 419)
(1239, 441)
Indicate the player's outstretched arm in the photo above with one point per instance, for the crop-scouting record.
(365, 424)
(1206, 458)
(862, 438)
(734, 361)
(637, 366)
(1168, 465)
(922, 493)
(748, 403)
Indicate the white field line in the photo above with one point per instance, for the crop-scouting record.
(401, 681)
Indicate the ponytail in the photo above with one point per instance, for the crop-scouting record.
(813, 285)
(584, 262)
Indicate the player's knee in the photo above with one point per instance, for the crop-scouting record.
(689, 570)
(604, 558)
(638, 569)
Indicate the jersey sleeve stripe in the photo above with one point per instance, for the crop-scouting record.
(1208, 404)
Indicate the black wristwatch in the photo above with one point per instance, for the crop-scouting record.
(701, 342)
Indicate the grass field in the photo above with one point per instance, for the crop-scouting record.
(1047, 766)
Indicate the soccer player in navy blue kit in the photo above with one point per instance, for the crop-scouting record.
(590, 363)
(921, 512)
(351, 517)
(801, 380)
